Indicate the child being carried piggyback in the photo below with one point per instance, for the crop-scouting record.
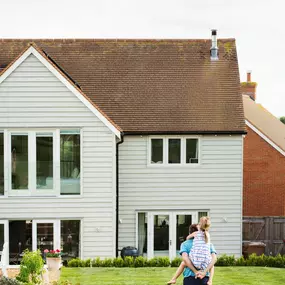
(200, 255)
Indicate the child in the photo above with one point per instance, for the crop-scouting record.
(203, 242)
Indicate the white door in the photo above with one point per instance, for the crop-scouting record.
(166, 232)
(46, 234)
(4, 238)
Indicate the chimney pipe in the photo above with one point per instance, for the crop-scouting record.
(214, 48)
(249, 88)
(248, 76)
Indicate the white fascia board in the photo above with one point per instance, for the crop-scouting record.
(265, 137)
(55, 72)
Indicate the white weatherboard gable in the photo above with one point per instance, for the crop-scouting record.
(32, 99)
(55, 72)
(265, 137)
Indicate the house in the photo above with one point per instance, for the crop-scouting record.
(264, 158)
(113, 143)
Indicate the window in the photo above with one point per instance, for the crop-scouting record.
(19, 161)
(44, 149)
(202, 214)
(179, 150)
(174, 150)
(191, 150)
(156, 150)
(40, 162)
(69, 163)
(70, 239)
(1, 164)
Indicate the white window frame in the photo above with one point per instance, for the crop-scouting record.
(32, 190)
(165, 151)
(172, 227)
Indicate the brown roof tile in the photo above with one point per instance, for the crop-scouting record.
(151, 86)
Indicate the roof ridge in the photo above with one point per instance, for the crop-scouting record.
(111, 40)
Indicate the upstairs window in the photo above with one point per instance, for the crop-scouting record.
(1, 163)
(174, 150)
(192, 151)
(156, 151)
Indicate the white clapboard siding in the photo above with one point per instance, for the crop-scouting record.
(215, 185)
(32, 97)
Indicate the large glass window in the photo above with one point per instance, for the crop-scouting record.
(174, 150)
(142, 233)
(157, 151)
(1, 164)
(70, 239)
(69, 163)
(20, 238)
(44, 146)
(192, 151)
(19, 161)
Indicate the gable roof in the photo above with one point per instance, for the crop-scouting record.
(151, 86)
(264, 123)
(63, 77)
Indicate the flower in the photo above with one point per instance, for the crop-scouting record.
(46, 251)
(53, 253)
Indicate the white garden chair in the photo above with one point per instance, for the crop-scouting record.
(3, 259)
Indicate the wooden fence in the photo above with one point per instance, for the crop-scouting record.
(269, 230)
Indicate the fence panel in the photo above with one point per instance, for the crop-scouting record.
(269, 230)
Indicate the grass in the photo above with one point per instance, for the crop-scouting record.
(158, 276)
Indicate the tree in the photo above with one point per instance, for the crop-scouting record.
(282, 119)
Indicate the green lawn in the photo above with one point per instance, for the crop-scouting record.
(158, 276)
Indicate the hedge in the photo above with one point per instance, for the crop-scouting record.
(224, 260)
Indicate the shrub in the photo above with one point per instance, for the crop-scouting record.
(87, 263)
(140, 261)
(159, 262)
(128, 261)
(225, 260)
(76, 262)
(176, 262)
(108, 262)
(118, 262)
(31, 267)
(97, 262)
(241, 261)
(9, 281)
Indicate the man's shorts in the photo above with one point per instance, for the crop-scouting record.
(191, 280)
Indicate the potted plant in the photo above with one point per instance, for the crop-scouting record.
(53, 259)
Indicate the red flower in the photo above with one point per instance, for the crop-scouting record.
(46, 251)
(52, 251)
(57, 251)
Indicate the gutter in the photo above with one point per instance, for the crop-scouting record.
(186, 132)
(117, 192)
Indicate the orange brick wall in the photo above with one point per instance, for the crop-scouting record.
(264, 178)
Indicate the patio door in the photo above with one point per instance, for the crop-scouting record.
(4, 238)
(46, 234)
(166, 232)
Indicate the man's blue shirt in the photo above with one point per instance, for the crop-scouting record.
(186, 247)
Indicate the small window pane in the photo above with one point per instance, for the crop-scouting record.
(202, 214)
(192, 151)
(1, 164)
(20, 165)
(70, 239)
(44, 149)
(174, 151)
(70, 164)
(156, 150)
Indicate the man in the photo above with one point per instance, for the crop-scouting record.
(191, 275)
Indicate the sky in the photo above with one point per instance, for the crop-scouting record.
(257, 25)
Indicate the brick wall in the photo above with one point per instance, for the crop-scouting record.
(264, 178)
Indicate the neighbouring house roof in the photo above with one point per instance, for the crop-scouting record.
(150, 86)
(267, 124)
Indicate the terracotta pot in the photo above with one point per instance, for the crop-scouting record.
(53, 263)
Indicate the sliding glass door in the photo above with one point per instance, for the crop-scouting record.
(165, 232)
(4, 237)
